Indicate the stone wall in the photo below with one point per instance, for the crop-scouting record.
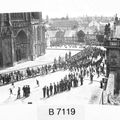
(15, 48)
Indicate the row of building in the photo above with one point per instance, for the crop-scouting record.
(86, 24)
(22, 37)
(68, 28)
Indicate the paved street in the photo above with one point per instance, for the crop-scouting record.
(88, 93)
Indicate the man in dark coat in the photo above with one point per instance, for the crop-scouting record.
(44, 91)
(23, 91)
(37, 82)
(91, 77)
(51, 89)
(58, 87)
(47, 92)
(18, 93)
(55, 89)
(11, 92)
(81, 80)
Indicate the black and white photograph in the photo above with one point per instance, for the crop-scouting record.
(61, 52)
(47, 60)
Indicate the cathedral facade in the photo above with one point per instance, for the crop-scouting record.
(22, 37)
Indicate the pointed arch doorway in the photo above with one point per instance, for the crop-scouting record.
(21, 46)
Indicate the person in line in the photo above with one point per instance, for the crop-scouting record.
(18, 93)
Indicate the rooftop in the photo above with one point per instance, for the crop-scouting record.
(64, 23)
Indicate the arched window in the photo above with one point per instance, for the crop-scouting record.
(38, 33)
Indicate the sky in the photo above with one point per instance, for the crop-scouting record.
(61, 8)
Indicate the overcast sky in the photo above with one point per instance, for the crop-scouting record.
(61, 8)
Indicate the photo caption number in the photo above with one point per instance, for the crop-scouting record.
(62, 111)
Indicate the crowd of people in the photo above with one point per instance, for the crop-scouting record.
(14, 76)
(65, 84)
(79, 71)
(88, 62)
(87, 56)
(25, 91)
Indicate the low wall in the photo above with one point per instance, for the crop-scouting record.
(109, 89)
(110, 84)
